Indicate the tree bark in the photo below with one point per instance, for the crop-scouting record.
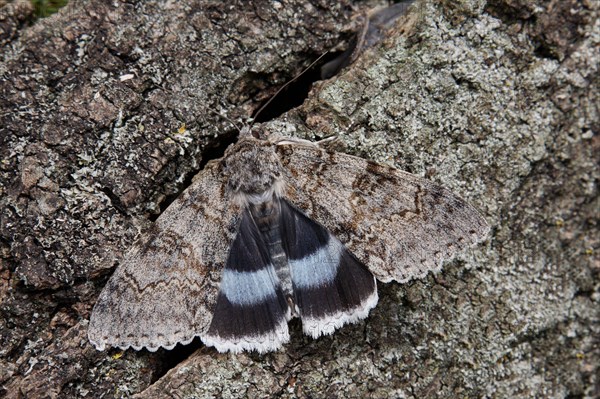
(110, 107)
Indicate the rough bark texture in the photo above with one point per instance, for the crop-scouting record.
(497, 100)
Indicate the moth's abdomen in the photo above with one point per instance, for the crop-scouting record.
(267, 216)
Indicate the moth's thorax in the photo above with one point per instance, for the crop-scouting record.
(254, 171)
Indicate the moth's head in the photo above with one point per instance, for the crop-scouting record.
(254, 171)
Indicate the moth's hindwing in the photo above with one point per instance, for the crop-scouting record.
(331, 287)
(251, 311)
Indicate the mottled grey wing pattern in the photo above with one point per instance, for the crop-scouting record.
(164, 291)
(399, 225)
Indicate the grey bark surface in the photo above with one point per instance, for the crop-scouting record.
(497, 101)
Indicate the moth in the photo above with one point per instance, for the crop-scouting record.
(276, 229)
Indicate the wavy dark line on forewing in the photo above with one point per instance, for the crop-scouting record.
(185, 282)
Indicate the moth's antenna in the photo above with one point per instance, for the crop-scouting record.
(228, 119)
(246, 129)
(261, 109)
(360, 42)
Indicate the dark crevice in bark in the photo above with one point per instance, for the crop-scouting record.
(115, 201)
(170, 359)
(294, 94)
(210, 153)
